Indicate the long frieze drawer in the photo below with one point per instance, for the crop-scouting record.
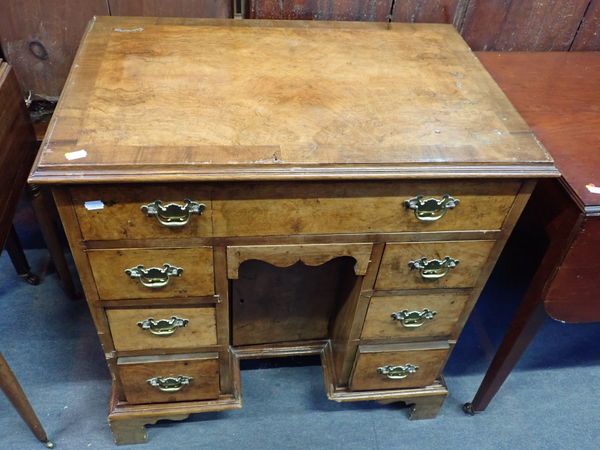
(395, 366)
(248, 209)
(153, 273)
(169, 378)
(413, 316)
(426, 265)
(143, 211)
(162, 328)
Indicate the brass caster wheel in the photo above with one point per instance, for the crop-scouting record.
(468, 409)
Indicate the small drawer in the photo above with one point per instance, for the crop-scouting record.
(413, 316)
(247, 209)
(162, 328)
(396, 366)
(143, 211)
(169, 378)
(153, 273)
(426, 265)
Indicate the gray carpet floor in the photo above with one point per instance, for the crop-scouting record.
(550, 401)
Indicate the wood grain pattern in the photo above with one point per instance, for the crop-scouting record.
(58, 26)
(395, 272)
(202, 367)
(122, 217)
(291, 209)
(346, 113)
(369, 10)
(588, 35)
(512, 25)
(429, 358)
(566, 123)
(287, 255)
(172, 8)
(108, 267)
(380, 325)
(200, 330)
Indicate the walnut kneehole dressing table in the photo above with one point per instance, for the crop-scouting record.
(246, 189)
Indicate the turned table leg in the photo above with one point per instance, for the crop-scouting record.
(50, 233)
(11, 387)
(17, 256)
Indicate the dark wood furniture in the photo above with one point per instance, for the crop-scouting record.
(558, 94)
(17, 152)
(312, 201)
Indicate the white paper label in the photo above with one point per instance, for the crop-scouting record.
(593, 188)
(94, 205)
(76, 155)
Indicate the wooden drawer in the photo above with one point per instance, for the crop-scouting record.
(413, 316)
(250, 209)
(398, 365)
(162, 328)
(169, 378)
(195, 279)
(120, 214)
(423, 265)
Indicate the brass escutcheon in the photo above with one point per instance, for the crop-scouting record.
(413, 319)
(163, 327)
(154, 277)
(433, 269)
(431, 209)
(173, 215)
(170, 384)
(397, 372)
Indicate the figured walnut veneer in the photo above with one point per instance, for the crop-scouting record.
(306, 143)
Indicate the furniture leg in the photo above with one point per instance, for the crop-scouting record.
(426, 407)
(11, 387)
(528, 319)
(18, 258)
(133, 430)
(51, 238)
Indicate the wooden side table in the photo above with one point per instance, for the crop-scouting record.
(16, 137)
(558, 94)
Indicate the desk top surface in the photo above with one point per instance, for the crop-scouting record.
(177, 99)
(558, 94)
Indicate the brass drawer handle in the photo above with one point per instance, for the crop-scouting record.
(170, 384)
(173, 215)
(431, 209)
(433, 269)
(397, 372)
(163, 327)
(413, 319)
(154, 277)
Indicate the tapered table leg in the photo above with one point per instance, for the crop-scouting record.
(50, 233)
(18, 258)
(528, 319)
(11, 387)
